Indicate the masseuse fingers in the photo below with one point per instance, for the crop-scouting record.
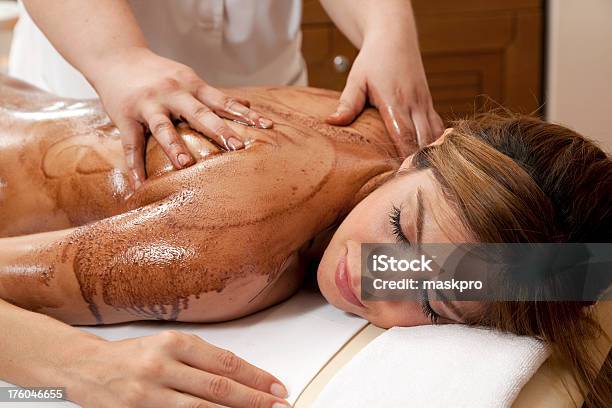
(207, 357)
(243, 101)
(436, 123)
(159, 397)
(218, 389)
(180, 400)
(400, 127)
(203, 119)
(424, 134)
(231, 108)
(132, 140)
(170, 398)
(164, 132)
(352, 101)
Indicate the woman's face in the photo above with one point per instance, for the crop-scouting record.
(424, 216)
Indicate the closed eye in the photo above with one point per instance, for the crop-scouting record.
(396, 225)
(427, 309)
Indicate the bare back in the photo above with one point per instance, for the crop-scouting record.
(215, 241)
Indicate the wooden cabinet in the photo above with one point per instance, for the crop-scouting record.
(470, 48)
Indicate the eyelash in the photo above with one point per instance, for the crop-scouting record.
(428, 310)
(394, 219)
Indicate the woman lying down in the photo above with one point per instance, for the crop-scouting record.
(232, 234)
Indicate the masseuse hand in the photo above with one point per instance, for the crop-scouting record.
(170, 369)
(388, 72)
(140, 89)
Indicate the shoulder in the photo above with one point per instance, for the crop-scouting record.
(300, 100)
(310, 107)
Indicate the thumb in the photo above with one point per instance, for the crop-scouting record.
(352, 102)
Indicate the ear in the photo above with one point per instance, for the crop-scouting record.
(441, 138)
(407, 163)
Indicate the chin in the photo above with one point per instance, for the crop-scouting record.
(332, 296)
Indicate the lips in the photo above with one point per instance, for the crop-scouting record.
(343, 283)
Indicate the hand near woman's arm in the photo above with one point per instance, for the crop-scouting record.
(139, 89)
(388, 70)
(169, 369)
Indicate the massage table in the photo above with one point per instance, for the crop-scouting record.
(305, 342)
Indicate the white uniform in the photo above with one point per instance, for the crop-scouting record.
(227, 42)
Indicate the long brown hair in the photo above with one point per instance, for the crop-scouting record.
(515, 178)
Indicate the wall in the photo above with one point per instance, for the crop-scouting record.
(8, 10)
(5, 42)
(579, 83)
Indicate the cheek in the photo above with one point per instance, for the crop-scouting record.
(324, 280)
(358, 227)
(400, 314)
(368, 221)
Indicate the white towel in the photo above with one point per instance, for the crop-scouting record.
(436, 366)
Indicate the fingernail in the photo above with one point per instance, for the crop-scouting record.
(234, 143)
(278, 390)
(280, 405)
(265, 123)
(183, 159)
(339, 111)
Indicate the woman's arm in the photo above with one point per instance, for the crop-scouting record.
(172, 258)
(169, 369)
(135, 266)
(32, 278)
